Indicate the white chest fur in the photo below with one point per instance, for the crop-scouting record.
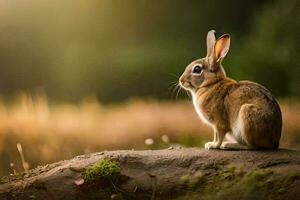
(201, 114)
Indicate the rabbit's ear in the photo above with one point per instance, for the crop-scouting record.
(210, 41)
(221, 48)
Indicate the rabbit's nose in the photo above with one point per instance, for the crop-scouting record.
(181, 80)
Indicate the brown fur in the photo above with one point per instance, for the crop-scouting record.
(244, 109)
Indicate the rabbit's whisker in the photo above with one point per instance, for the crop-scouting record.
(174, 88)
(174, 75)
(189, 94)
(178, 91)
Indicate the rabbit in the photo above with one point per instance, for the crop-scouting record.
(245, 110)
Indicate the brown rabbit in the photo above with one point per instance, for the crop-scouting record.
(244, 109)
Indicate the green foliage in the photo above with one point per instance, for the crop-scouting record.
(269, 53)
(102, 170)
(116, 50)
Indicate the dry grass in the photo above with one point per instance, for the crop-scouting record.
(50, 133)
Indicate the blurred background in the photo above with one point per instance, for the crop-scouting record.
(82, 76)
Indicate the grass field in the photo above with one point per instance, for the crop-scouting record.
(49, 133)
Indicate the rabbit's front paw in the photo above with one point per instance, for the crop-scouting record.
(211, 145)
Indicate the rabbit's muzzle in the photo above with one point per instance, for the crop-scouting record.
(185, 83)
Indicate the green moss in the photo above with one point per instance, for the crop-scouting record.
(229, 181)
(101, 180)
(104, 169)
(254, 184)
(257, 177)
(193, 180)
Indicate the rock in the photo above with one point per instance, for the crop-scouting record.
(187, 173)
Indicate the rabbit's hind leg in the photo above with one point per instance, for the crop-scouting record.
(233, 146)
(231, 143)
(252, 131)
(240, 135)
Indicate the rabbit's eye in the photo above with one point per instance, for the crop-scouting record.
(197, 69)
